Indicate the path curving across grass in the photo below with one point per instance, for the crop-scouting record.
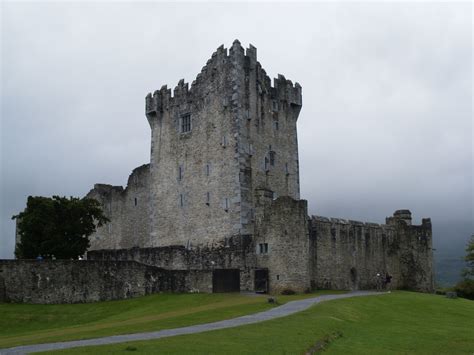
(396, 323)
(277, 312)
(22, 324)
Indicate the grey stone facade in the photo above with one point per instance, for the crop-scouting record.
(222, 192)
(68, 281)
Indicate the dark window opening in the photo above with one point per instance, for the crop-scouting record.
(208, 198)
(266, 164)
(272, 158)
(136, 201)
(186, 123)
(263, 248)
(180, 173)
(275, 125)
(181, 200)
(208, 169)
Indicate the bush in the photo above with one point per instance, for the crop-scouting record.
(288, 291)
(465, 289)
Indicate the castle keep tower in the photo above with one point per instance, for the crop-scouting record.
(216, 144)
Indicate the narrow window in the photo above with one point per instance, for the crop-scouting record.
(186, 123)
(263, 248)
(275, 105)
(224, 141)
(180, 173)
(278, 277)
(275, 125)
(136, 201)
(272, 158)
(286, 169)
(208, 169)
(266, 164)
(226, 204)
(208, 198)
(181, 200)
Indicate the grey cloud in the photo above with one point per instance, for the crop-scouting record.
(387, 89)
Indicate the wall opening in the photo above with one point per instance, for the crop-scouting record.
(354, 279)
(261, 280)
(226, 280)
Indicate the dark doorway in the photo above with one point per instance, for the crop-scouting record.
(226, 280)
(261, 280)
(354, 279)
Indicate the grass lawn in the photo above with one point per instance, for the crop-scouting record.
(397, 323)
(22, 324)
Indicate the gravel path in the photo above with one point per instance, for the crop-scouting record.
(281, 311)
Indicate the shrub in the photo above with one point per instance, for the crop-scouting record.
(465, 289)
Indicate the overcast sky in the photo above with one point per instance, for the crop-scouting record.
(386, 122)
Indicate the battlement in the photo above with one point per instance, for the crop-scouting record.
(215, 76)
(348, 222)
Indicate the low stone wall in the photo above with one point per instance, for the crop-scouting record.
(233, 253)
(68, 281)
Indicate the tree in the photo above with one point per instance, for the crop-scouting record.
(465, 288)
(57, 226)
(469, 271)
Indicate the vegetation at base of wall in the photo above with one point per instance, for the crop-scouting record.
(465, 288)
(57, 227)
(396, 323)
(22, 324)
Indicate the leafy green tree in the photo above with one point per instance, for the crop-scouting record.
(468, 273)
(465, 288)
(57, 226)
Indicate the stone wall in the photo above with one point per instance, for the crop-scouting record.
(63, 281)
(232, 253)
(349, 254)
(128, 210)
(282, 244)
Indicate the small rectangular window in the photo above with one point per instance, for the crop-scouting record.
(181, 200)
(208, 169)
(272, 158)
(226, 204)
(180, 173)
(208, 198)
(136, 201)
(186, 123)
(266, 164)
(275, 125)
(263, 248)
(287, 171)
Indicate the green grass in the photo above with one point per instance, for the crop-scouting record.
(22, 324)
(397, 323)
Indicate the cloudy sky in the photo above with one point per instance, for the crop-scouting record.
(387, 98)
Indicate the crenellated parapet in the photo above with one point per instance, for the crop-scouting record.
(217, 75)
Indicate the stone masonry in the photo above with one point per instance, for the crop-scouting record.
(221, 193)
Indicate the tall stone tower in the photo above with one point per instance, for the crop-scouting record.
(217, 145)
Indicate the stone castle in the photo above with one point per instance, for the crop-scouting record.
(218, 207)
(221, 193)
